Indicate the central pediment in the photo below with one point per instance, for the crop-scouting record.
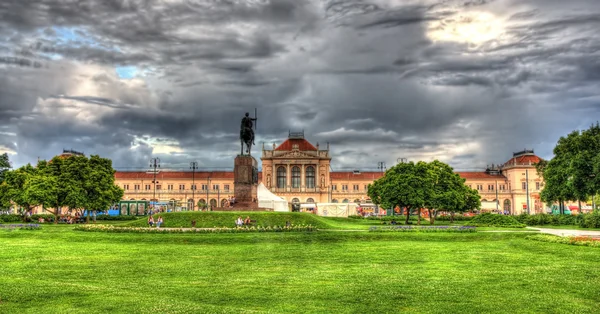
(295, 154)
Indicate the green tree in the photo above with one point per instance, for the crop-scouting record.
(100, 187)
(404, 185)
(4, 166)
(28, 187)
(446, 190)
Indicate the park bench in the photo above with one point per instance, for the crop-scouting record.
(252, 223)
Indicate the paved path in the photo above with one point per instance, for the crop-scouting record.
(568, 232)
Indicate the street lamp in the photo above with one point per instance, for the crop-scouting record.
(154, 163)
(207, 191)
(381, 166)
(194, 167)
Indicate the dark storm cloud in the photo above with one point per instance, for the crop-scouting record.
(365, 75)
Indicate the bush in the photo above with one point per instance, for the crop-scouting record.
(47, 217)
(546, 219)
(11, 218)
(583, 241)
(591, 220)
(456, 218)
(495, 220)
(423, 229)
(108, 228)
(116, 218)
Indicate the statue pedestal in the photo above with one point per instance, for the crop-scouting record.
(245, 182)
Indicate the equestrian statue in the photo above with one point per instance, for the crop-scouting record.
(247, 133)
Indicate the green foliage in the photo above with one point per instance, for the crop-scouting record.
(582, 241)
(116, 218)
(47, 217)
(10, 218)
(227, 219)
(495, 220)
(110, 228)
(456, 218)
(4, 166)
(426, 229)
(591, 220)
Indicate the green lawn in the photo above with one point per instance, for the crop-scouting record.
(57, 270)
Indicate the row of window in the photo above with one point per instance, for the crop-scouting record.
(309, 177)
(148, 187)
(502, 187)
(355, 187)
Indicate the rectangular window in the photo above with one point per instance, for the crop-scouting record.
(470, 186)
(182, 187)
(366, 187)
(524, 185)
(480, 187)
(344, 187)
(226, 186)
(125, 187)
(136, 187)
(147, 187)
(215, 187)
(355, 187)
(158, 186)
(334, 187)
(490, 187)
(170, 187)
(193, 187)
(537, 185)
(204, 187)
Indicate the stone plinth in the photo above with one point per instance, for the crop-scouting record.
(245, 181)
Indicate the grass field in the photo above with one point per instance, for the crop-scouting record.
(57, 270)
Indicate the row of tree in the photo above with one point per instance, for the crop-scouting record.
(76, 183)
(573, 174)
(433, 186)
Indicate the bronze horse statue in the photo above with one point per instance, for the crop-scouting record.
(247, 134)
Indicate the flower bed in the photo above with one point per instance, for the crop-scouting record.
(109, 228)
(583, 241)
(423, 229)
(20, 227)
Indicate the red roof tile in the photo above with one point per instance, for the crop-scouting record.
(523, 160)
(174, 175)
(357, 176)
(480, 175)
(302, 145)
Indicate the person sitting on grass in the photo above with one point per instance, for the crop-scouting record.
(239, 222)
(247, 221)
(159, 222)
(150, 221)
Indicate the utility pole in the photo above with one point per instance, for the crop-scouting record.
(497, 200)
(154, 163)
(207, 191)
(194, 167)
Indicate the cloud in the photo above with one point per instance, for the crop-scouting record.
(467, 82)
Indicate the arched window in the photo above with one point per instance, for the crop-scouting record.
(310, 177)
(507, 206)
(223, 202)
(213, 203)
(281, 178)
(310, 200)
(191, 204)
(295, 177)
(345, 200)
(334, 200)
(295, 200)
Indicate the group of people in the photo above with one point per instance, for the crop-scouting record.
(151, 222)
(230, 201)
(246, 222)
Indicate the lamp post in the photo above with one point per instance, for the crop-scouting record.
(527, 188)
(154, 163)
(207, 191)
(194, 167)
(381, 166)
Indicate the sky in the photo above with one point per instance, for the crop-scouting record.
(466, 82)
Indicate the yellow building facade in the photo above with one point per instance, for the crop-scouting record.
(300, 172)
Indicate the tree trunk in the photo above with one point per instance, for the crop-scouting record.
(579, 203)
(407, 215)
(431, 217)
(87, 217)
(452, 217)
(419, 217)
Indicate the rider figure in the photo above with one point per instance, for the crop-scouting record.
(247, 126)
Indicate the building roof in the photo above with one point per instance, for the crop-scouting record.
(290, 142)
(523, 160)
(479, 175)
(166, 175)
(355, 176)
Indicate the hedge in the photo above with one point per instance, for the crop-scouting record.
(423, 229)
(110, 228)
(495, 220)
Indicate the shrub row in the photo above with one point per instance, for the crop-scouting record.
(591, 220)
(107, 228)
(10, 218)
(116, 218)
(423, 229)
(456, 218)
(583, 241)
(495, 220)
(20, 227)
